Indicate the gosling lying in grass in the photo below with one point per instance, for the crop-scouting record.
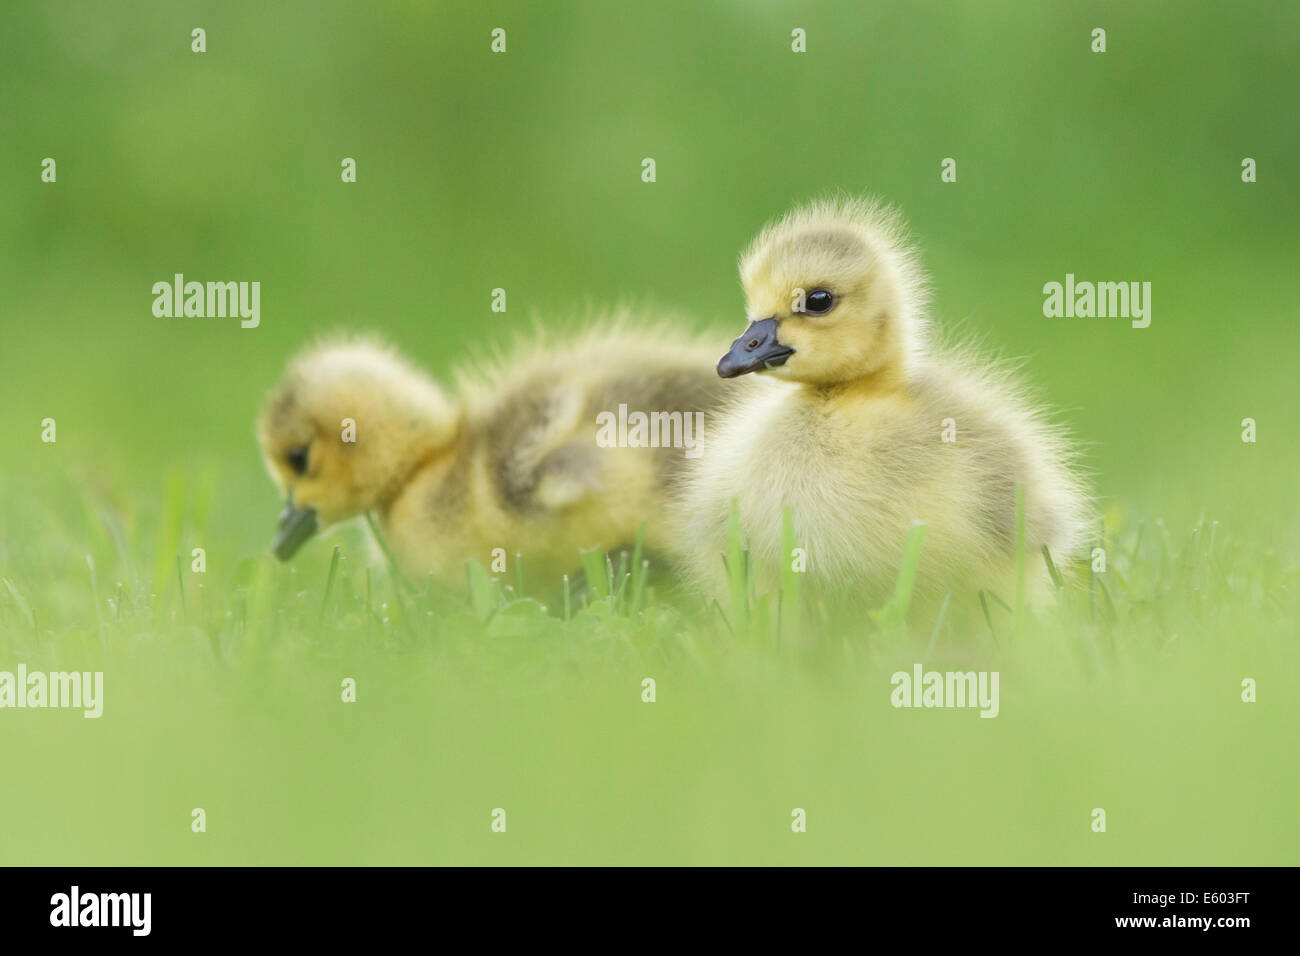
(847, 423)
(515, 462)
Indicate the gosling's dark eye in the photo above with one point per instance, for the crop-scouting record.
(297, 458)
(818, 302)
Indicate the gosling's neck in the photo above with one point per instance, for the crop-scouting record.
(442, 456)
(886, 380)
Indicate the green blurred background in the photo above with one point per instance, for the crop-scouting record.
(522, 171)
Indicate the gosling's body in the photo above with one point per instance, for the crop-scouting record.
(857, 466)
(527, 474)
(513, 463)
(848, 431)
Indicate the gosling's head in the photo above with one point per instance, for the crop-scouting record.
(344, 430)
(833, 295)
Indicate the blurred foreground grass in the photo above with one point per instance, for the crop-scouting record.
(1126, 695)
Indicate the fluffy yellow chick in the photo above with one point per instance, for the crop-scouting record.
(534, 456)
(862, 424)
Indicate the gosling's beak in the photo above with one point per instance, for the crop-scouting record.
(756, 349)
(296, 526)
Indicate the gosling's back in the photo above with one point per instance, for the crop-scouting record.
(531, 475)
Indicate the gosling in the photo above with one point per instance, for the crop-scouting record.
(862, 424)
(519, 461)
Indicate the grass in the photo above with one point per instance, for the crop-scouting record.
(223, 691)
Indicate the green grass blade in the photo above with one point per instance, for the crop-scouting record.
(594, 566)
(23, 606)
(892, 617)
(791, 607)
(94, 593)
(393, 567)
(180, 581)
(1020, 555)
(482, 598)
(938, 624)
(988, 618)
(907, 571)
(736, 564)
(329, 583)
(1057, 581)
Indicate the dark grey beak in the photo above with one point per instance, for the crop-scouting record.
(296, 526)
(755, 350)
